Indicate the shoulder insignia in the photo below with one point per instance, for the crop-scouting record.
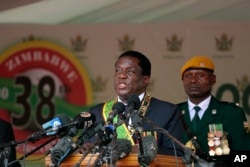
(231, 103)
(214, 112)
(182, 112)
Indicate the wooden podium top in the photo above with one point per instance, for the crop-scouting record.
(128, 161)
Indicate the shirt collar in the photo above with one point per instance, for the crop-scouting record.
(140, 97)
(203, 105)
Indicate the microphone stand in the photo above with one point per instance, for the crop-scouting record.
(37, 148)
(6, 147)
(113, 141)
(6, 150)
(109, 159)
(137, 123)
(32, 151)
(83, 156)
(103, 159)
(5, 153)
(141, 157)
(81, 142)
(166, 133)
(12, 143)
(99, 143)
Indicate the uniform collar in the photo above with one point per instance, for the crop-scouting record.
(203, 105)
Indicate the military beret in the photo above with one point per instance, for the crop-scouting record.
(199, 62)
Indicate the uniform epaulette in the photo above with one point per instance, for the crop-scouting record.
(231, 103)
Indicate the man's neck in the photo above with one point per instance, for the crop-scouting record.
(124, 100)
(198, 100)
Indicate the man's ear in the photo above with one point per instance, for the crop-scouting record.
(146, 79)
(213, 79)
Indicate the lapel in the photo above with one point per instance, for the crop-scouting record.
(210, 116)
(186, 116)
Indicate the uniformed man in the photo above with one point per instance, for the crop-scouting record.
(216, 126)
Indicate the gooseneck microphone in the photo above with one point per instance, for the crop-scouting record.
(84, 120)
(48, 128)
(47, 131)
(104, 138)
(133, 104)
(66, 145)
(117, 150)
(61, 126)
(149, 146)
(117, 109)
(87, 134)
(81, 121)
(166, 133)
(60, 119)
(61, 150)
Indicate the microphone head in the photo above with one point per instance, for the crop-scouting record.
(69, 131)
(122, 117)
(92, 131)
(57, 121)
(61, 149)
(119, 106)
(134, 99)
(123, 147)
(107, 134)
(64, 118)
(150, 150)
(85, 120)
(120, 149)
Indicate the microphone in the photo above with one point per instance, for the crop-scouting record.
(108, 134)
(149, 145)
(91, 131)
(60, 119)
(61, 150)
(117, 108)
(104, 134)
(57, 121)
(117, 150)
(121, 119)
(66, 146)
(66, 127)
(84, 120)
(81, 121)
(186, 150)
(87, 134)
(133, 104)
(104, 138)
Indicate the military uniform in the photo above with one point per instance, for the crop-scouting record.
(232, 118)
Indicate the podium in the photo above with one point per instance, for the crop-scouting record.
(128, 161)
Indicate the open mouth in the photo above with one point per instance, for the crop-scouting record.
(122, 85)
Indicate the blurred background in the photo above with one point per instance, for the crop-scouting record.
(121, 11)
